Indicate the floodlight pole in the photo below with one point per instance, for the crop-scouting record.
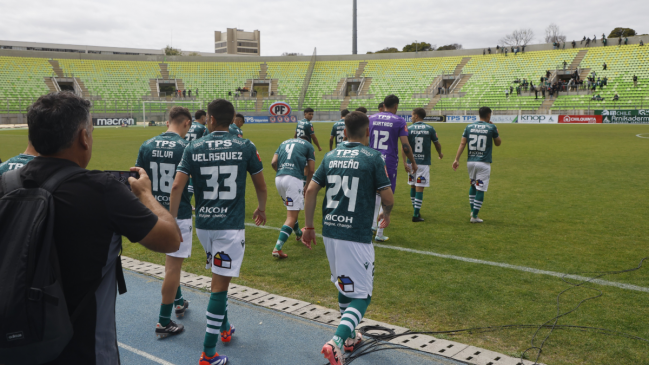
(354, 32)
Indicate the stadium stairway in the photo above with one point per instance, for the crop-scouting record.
(153, 85)
(360, 69)
(164, 71)
(263, 71)
(460, 66)
(56, 67)
(50, 84)
(464, 78)
(578, 58)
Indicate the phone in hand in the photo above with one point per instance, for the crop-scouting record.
(122, 176)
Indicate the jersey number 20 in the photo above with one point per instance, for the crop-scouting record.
(477, 142)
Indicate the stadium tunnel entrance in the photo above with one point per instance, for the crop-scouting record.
(261, 88)
(167, 87)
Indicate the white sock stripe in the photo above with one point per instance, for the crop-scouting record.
(350, 317)
(471, 196)
(164, 317)
(343, 305)
(418, 201)
(214, 316)
(181, 298)
(356, 312)
(346, 323)
(282, 232)
(215, 323)
(212, 331)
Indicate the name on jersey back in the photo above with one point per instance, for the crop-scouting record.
(217, 156)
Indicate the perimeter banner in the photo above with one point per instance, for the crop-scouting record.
(580, 119)
(632, 116)
(112, 121)
(538, 118)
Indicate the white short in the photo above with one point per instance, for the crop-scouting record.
(224, 250)
(479, 173)
(421, 178)
(185, 250)
(352, 267)
(291, 189)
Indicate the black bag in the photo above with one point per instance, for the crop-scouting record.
(35, 325)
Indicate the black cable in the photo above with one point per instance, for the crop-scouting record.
(380, 342)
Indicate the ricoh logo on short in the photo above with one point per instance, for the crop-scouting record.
(339, 218)
(213, 210)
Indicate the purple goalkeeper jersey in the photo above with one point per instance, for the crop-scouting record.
(385, 130)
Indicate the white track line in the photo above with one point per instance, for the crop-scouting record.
(642, 135)
(498, 264)
(144, 354)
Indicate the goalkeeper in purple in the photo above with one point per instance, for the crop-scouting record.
(386, 129)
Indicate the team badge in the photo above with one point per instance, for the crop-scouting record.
(289, 202)
(421, 180)
(410, 178)
(209, 260)
(222, 260)
(346, 284)
(479, 183)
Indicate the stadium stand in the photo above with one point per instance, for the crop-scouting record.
(117, 86)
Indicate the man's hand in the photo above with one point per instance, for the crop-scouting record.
(441, 155)
(385, 221)
(319, 149)
(413, 167)
(308, 237)
(141, 186)
(259, 217)
(455, 165)
(407, 167)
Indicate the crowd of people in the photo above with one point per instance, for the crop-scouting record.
(186, 93)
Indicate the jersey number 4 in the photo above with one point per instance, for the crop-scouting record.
(477, 142)
(349, 191)
(213, 182)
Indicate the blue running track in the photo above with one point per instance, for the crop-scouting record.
(263, 336)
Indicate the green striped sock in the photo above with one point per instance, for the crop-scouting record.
(296, 229)
(477, 204)
(284, 233)
(179, 297)
(413, 192)
(419, 197)
(216, 309)
(165, 314)
(352, 317)
(472, 192)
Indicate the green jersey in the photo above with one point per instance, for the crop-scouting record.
(352, 173)
(293, 156)
(236, 130)
(479, 139)
(218, 164)
(15, 163)
(420, 136)
(338, 131)
(196, 131)
(304, 128)
(160, 157)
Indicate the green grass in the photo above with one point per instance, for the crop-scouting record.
(562, 198)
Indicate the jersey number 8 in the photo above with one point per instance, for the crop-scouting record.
(477, 142)
(419, 144)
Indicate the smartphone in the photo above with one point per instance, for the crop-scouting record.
(122, 176)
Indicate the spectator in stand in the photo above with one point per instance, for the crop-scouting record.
(605, 42)
(507, 93)
(641, 43)
(515, 51)
(272, 93)
(184, 93)
(505, 51)
(604, 66)
(616, 97)
(605, 81)
(189, 93)
(196, 92)
(543, 91)
(595, 39)
(523, 49)
(229, 93)
(536, 92)
(489, 50)
(635, 81)
(565, 64)
(497, 48)
(626, 40)
(582, 41)
(574, 44)
(484, 53)
(511, 90)
(518, 90)
(600, 84)
(564, 44)
(619, 41)
(587, 42)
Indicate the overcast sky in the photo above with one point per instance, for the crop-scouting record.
(301, 25)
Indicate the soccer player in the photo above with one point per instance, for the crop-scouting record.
(159, 157)
(294, 162)
(386, 129)
(20, 160)
(420, 135)
(480, 136)
(219, 163)
(197, 129)
(351, 175)
(235, 127)
(305, 128)
(381, 107)
(362, 109)
(338, 130)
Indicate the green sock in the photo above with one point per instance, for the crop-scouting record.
(225, 325)
(216, 309)
(351, 318)
(179, 297)
(477, 204)
(284, 233)
(419, 197)
(165, 314)
(472, 191)
(413, 192)
(296, 229)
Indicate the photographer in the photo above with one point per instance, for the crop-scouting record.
(92, 211)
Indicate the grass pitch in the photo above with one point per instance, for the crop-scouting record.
(564, 198)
